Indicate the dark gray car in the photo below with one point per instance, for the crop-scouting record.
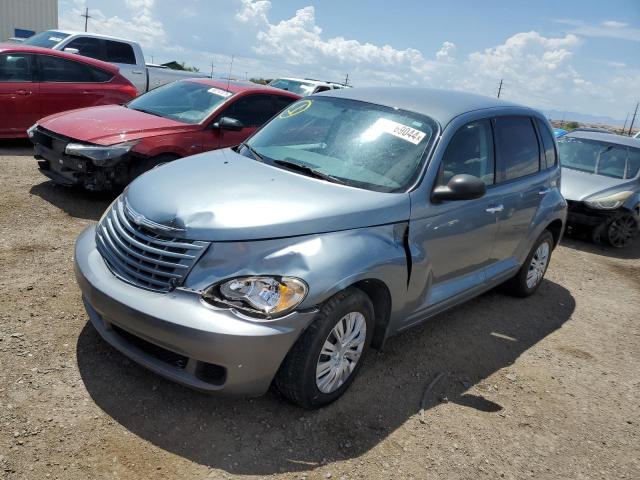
(350, 217)
(601, 182)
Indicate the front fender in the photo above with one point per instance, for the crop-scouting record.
(328, 262)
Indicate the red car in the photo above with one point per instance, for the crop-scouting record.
(36, 82)
(104, 148)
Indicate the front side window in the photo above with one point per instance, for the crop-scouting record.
(357, 143)
(183, 101)
(252, 110)
(16, 67)
(599, 158)
(517, 147)
(550, 155)
(48, 39)
(87, 47)
(470, 151)
(56, 69)
(119, 52)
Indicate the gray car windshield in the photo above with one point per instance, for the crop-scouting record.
(295, 86)
(356, 143)
(46, 39)
(600, 158)
(184, 101)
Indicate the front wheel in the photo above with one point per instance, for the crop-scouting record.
(327, 356)
(621, 230)
(530, 275)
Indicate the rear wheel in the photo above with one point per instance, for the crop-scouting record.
(327, 356)
(530, 275)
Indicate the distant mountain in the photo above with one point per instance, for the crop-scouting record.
(582, 117)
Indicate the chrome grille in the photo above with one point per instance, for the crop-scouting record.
(141, 256)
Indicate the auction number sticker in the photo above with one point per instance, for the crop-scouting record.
(399, 130)
(297, 109)
(218, 91)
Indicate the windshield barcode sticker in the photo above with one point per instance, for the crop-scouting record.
(218, 91)
(384, 125)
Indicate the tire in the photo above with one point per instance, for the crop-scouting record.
(522, 285)
(621, 230)
(296, 379)
(141, 166)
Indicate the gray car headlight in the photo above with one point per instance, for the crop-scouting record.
(609, 202)
(267, 296)
(98, 153)
(31, 131)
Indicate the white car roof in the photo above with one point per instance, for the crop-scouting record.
(90, 34)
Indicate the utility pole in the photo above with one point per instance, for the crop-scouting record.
(346, 80)
(212, 69)
(624, 127)
(500, 88)
(152, 58)
(86, 18)
(230, 70)
(633, 119)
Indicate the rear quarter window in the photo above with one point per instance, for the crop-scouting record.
(517, 147)
(550, 154)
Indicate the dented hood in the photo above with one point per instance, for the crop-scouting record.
(223, 196)
(111, 124)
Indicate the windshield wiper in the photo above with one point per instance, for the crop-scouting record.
(253, 151)
(312, 172)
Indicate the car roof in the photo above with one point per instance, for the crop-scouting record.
(441, 105)
(237, 86)
(305, 80)
(89, 34)
(606, 137)
(17, 47)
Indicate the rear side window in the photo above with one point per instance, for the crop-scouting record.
(252, 110)
(61, 70)
(470, 151)
(550, 154)
(119, 52)
(517, 147)
(88, 47)
(16, 67)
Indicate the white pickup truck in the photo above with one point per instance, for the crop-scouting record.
(126, 54)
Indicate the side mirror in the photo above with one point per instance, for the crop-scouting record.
(72, 50)
(460, 187)
(228, 123)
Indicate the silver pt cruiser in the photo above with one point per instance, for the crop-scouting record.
(350, 217)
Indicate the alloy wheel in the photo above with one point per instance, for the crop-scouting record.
(622, 230)
(341, 352)
(538, 265)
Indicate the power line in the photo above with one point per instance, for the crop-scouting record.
(86, 18)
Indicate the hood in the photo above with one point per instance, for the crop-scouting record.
(223, 196)
(109, 124)
(578, 186)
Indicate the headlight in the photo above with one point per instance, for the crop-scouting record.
(31, 131)
(267, 296)
(98, 153)
(610, 202)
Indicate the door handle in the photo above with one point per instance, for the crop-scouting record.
(544, 191)
(23, 92)
(496, 209)
(137, 72)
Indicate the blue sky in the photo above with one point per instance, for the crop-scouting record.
(581, 56)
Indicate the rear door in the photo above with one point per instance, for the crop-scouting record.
(19, 101)
(253, 110)
(67, 84)
(523, 183)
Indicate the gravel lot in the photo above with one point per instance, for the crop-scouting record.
(545, 387)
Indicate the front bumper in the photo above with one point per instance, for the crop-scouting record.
(579, 214)
(178, 335)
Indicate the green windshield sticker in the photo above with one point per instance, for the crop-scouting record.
(297, 109)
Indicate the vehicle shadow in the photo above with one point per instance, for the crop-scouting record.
(582, 242)
(77, 203)
(268, 435)
(16, 148)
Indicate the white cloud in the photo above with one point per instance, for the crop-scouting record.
(605, 29)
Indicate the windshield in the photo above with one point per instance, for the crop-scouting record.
(184, 101)
(356, 143)
(295, 86)
(47, 39)
(600, 158)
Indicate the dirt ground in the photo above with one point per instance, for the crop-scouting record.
(546, 387)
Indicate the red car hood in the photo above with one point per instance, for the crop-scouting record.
(110, 124)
